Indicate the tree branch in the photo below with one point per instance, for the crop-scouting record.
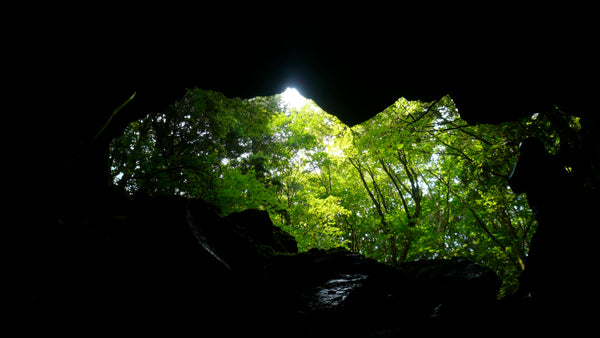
(481, 223)
(415, 120)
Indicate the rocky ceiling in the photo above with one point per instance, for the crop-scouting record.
(497, 64)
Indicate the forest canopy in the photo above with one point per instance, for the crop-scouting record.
(413, 182)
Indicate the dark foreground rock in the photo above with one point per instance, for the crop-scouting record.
(336, 291)
(173, 267)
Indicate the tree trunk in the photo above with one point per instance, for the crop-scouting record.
(394, 251)
(406, 243)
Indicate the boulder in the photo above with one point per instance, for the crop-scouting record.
(175, 264)
(455, 280)
(321, 287)
(258, 227)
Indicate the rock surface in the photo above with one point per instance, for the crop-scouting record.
(174, 267)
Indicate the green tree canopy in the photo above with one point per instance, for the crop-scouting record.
(413, 182)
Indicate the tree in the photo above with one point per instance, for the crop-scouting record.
(413, 182)
(389, 162)
(203, 146)
(307, 173)
(437, 186)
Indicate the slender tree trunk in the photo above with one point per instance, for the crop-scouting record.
(355, 242)
(405, 247)
(414, 192)
(380, 210)
(394, 250)
(516, 262)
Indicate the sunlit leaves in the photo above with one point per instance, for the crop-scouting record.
(413, 182)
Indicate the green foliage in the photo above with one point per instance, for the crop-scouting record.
(413, 182)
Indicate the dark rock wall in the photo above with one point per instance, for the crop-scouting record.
(173, 266)
(83, 261)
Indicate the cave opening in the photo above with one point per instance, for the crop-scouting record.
(415, 190)
(414, 182)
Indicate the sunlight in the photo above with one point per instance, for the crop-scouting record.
(293, 99)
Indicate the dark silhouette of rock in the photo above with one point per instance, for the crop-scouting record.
(173, 266)
(563, 240)
(330, 291)
(257, 225)
(459, 278)
(85, 263)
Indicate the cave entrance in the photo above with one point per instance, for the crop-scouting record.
(413, 182)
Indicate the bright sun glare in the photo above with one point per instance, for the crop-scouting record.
(293, 98)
